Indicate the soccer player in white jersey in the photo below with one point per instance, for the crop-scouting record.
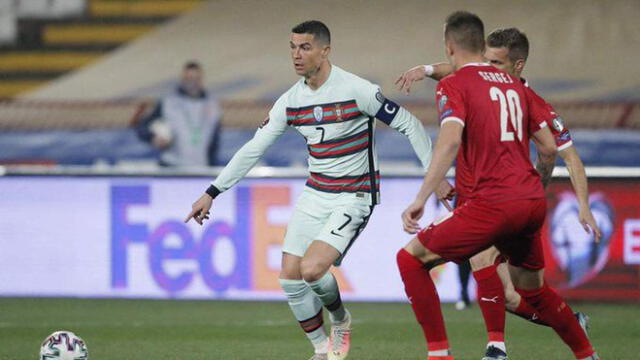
(334, 110)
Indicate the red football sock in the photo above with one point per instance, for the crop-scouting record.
(527, 312)
(491, 301)
(424, 300)
(554, 311)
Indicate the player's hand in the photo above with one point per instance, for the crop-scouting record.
(200, 209)
(410, 76)
(160, 142)
(411, 216)
(445, 191)
(589, 224)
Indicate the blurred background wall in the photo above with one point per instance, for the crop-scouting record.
(580, 50)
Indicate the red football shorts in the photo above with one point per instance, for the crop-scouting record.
(514, 227)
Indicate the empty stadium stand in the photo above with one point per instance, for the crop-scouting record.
(583, 58)
(55, 37)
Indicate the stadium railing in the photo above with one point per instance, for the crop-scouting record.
(38, 115)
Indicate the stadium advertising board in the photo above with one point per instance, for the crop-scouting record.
(125, 237)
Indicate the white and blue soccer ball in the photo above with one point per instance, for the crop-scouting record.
(63, 345)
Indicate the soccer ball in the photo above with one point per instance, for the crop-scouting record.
(63, 345)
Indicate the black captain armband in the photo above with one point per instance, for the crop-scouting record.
(387, 111)
(213, 191)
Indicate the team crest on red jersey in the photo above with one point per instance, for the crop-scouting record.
(443, 102)
(558, 124)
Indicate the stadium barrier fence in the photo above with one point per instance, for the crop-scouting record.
(38, 115)
(87, 232)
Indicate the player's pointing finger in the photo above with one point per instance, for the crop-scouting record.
(191, 214)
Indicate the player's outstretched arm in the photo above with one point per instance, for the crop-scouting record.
(547, 151)
(445, 151)
(243, 160)
(417, 73)
(578, 177)
(370, 99)
(407, 124)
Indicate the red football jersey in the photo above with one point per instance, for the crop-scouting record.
(543, 113)
(493, 161)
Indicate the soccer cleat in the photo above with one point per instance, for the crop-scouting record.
(319, 357)
(340, 339)
(583, 320)
(493, 353)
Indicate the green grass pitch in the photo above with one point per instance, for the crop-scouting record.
(147, 329)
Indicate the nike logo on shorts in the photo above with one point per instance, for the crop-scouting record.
(333, 232)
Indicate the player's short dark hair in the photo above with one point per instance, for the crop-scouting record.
(192, 65)
(513, 39)
(466, 30)
(318, 29)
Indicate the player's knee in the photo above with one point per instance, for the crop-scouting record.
(290, 274)
(290, 267)
(527, 279)
(512, 299)
(408, 258)
(431, 259)
(311, 270)
(481, 261)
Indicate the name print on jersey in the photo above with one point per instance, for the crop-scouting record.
(496, 77)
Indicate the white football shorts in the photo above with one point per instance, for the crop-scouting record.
(336, 219)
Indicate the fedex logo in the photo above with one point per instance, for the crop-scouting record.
(632, 241)
(252, 236)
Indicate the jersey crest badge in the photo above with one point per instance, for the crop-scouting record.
(338, 112)
(442, 102)
(318, 113)
(558, 124)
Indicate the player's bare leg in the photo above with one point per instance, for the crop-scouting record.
(305, 305)
(314, 268)
(517, 306)
(491, 300)
(513, 301)
(414, 262)
(553, 310)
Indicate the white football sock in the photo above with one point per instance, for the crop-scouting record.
(307, 308)
(327, 290)
(444, 352)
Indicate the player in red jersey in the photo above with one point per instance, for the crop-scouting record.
(485, 119)
(508, 49)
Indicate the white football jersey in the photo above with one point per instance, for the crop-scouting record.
(337, 121)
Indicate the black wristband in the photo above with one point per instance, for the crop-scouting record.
(213, 191)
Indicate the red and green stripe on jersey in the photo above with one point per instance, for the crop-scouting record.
(359, 183)
(340, 147)
(323, 113)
